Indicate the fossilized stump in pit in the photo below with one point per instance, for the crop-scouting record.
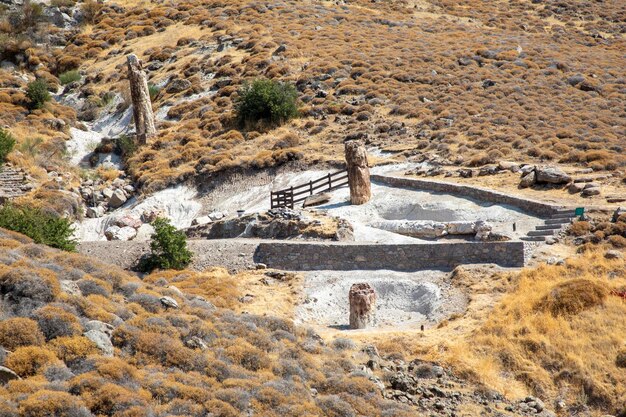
(362, 302)
(358, 172)
(142, 106)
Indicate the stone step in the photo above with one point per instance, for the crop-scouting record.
(541, 233)
(549, 227)
(567, 215)
(533, 238)
(558, 221)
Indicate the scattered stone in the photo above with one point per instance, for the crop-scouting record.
(7, 375)
(483, 231)
(101, 340)
(576, 187)
(588, 192)
(260, 266)
(528, 180)
(120, 233)
(194, 342)
(169, 302)
(94, 212)
(177, 85)
(200, 221)
(614, 254)
(70, 287)
(144, 232)
(128, 220)
(362, 298)
(99, 326)
(117, 199)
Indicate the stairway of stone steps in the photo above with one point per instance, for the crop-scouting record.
(13, 182)
(551, 226)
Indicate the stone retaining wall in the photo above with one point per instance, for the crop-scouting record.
(476, 193)
(402, 257)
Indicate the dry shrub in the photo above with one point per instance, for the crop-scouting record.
(248, 356)
(53, 403)
(56, 322)
(573, 296)
(30, 360)
(580, 228)
(69, 349)
(617, 241)
(19, 331)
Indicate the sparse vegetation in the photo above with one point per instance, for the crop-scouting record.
(69, 77)
(7, 142)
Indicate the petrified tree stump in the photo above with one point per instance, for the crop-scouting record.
(142, 106)
(362, 302)
(358, 172)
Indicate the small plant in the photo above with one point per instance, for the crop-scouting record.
(7, 142)
(90, 9)
(30, 146)
(37, 92)
(267, 100)
(69, 77)
(169, 248)
(154, 91)
(126, 146)
(39, 226)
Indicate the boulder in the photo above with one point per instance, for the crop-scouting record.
(413, 228)
(144, 232)
(576, 187)
(169, 302)
(94, 212)
(128, 220)
(551, 175)
(101, 340)
(7, 375)
(508, 166)
(216, 215)
(70, 287)
(101, 326)
(151, 214)
(117, 199)
(528, 180)
(120, 233)
(194, 342)
(362, 298)
(107, 193)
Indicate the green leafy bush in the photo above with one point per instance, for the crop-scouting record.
(7, 142)
(37, 92)
(169, 248)
(126, 146)
(266, 100)
(69, 77)
(39, 226)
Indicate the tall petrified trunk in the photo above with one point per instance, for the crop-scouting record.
(362, 302)
(142, 106)
(358, 172)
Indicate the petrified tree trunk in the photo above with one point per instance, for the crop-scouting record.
(358, 172)
(362, 302)
(142, 106)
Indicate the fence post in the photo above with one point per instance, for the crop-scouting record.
(310, 187)
(292, 197)
(330, 182)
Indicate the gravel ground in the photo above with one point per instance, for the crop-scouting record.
(404, 299)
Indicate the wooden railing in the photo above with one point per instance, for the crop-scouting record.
(293, 195)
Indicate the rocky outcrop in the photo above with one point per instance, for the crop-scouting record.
(101, 340)
(428, 229)
(142, 106)
(358, 172)
(362, 298)
(543, 174)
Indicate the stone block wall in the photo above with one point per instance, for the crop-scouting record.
(399, 257)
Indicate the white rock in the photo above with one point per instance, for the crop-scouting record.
(461, 228)
(107, 193)
(101, 340)
(144, 232)
(120, 233)
(117, 199)
(200, 221)
(216, 215)
(70, 287)
(100, 326)
(169, 302)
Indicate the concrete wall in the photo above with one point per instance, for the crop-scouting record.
(407, 257)
(475, 193)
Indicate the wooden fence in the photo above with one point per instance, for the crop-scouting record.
(293, 195)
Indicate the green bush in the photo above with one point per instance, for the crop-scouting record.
(7, 142)
(39, 226)
(37, 92)
(266, 100)
(168, 246)
(69, 77)
(126, 146)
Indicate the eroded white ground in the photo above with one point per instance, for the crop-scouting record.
(404, 299)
